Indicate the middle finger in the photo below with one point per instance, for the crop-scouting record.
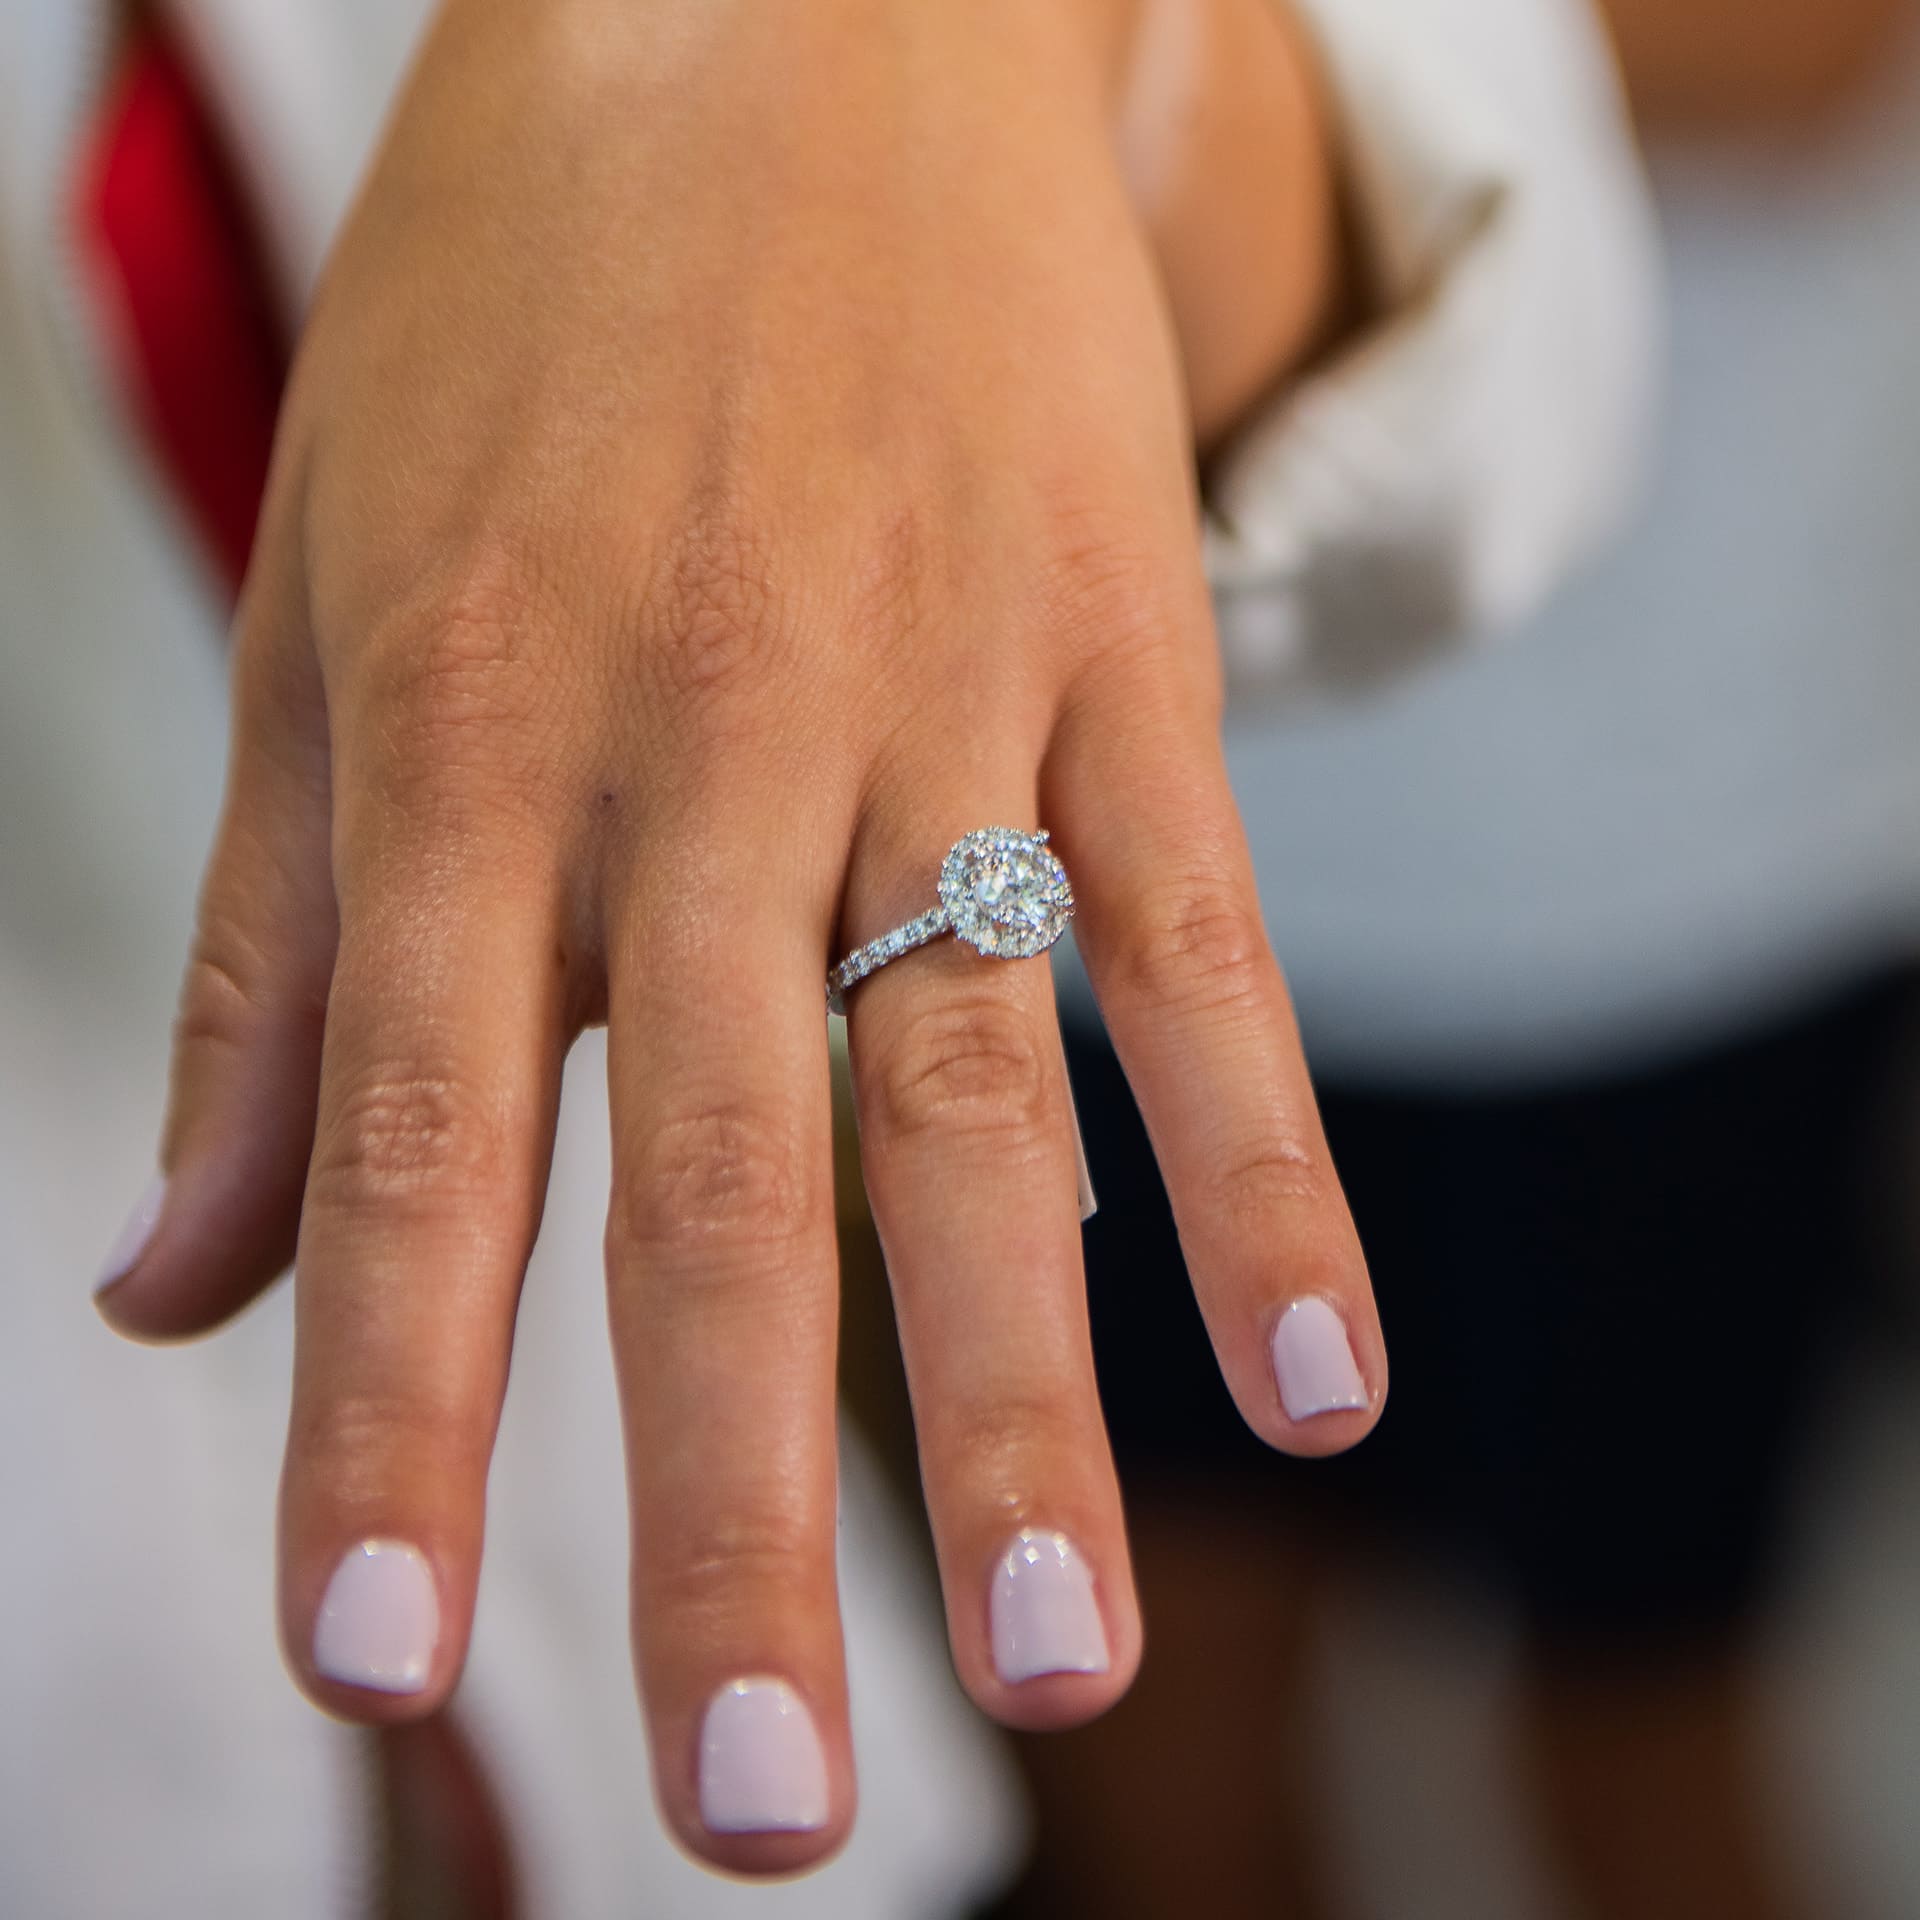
(721, 1271)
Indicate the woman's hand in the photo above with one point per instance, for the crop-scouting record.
(737, 450)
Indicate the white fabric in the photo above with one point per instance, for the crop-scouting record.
(1483, 433)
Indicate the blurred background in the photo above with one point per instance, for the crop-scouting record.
(1604, 943)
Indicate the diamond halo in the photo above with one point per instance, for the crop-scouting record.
(1005, 892)
(1002, 891)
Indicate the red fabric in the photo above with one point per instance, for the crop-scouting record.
(204, 359)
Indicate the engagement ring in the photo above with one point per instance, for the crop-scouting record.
(1003, 892)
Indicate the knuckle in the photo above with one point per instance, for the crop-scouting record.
(716, 606)
(765, 1545)
(224, 999)
(1105, 583)
(454, 691)
(463, 657)
(1202, 948)
(892, 576)
(1011, 1444)
(729, 1174)
(403, 1133)
(972, 1065)
(470, 672)
(348, 1443)
(1256, 1187)
(465, 686)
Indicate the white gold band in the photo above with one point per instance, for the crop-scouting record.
(876, 953)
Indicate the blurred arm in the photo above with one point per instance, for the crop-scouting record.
(1749, 65)
(1229, 153)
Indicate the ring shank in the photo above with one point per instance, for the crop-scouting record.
(876, 953)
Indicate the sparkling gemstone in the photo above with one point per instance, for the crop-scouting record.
(1005, 892)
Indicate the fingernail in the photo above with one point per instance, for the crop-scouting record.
(762, 1769)
(1313, 1362)
(131, 1241)
(380, 1619)
(1044, 1615)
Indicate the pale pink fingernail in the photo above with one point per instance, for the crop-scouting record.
(1313, 1361)
(380, 1619)
(1043, 1612)
(131, 1241)
(762, 1768)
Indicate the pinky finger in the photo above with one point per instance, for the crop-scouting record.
(1175, 945)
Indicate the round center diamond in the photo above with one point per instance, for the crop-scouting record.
(1005, 893)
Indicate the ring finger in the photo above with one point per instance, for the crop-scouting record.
(967, 1140)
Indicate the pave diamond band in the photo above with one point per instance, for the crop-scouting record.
(1002, 891)
(876, 953)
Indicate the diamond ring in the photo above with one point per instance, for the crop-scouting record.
(1003, 892)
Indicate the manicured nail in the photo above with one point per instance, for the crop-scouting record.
(1313, 1362)
(380, 1619)
(762, 1769)
(132, 1239)
(1044, 1616)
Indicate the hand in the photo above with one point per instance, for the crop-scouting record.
(736, 450)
